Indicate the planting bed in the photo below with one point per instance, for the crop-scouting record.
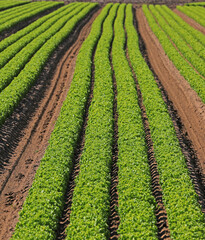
(102, 122)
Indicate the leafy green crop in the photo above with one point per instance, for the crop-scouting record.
(43, 206)
(192, 31)
(185, 218)
(35, 37)
(136, 202)
(194, 79)
(39, 7)
(172, 33)
(91, 198)
(21, 58)
(9, 4)
(190, 11)
(188, 38)
(23, 32)
(11, 95)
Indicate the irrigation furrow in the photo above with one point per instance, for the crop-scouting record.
(160, 211)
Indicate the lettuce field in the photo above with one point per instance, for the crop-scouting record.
(102, 120)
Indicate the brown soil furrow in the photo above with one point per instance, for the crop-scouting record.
(184, 106)
(190, 21)
(114, 219)
(25, 23)
(178, 49)
(160, 211)
(34, 121)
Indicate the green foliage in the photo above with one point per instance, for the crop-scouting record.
(194, 79)
(5, 4)
(136, 202)
(185, 219)
(11, 95)
(35, 8)
(192, 13)
(23, 33)
(24, 49)
(199, 36)
(184, 37)
(91, 198)
(43, 206)
(172, 33)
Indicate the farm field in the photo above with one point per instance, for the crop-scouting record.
(102, 120)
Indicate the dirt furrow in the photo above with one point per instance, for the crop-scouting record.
(190, 21)
(184, 106)
(26, 133)
(114, 219)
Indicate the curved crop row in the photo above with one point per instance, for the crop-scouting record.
(195, 33)
(91, 197)
(196, 81)
(18, 62)
(44, 203)
(18, 11)
(185, 218)
(189, 12)
(33, 38)
(23, 32)
(10, 11)
(180, 43)
(11, 95)
(136, 202)
(41, 7)
(187, 37)
(9, 4)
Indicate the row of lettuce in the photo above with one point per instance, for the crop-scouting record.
(164, 33)
(44, 204)
(14, 17)
(91, 200)
(194, 12)
(5, 4)
(14, 58)
(27, 66)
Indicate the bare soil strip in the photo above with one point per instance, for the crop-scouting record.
(185, 107)
(190, 21)
(25, 135)
(114, 219)
(24, 24)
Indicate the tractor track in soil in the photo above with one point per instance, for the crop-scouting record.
(190, 21)
(185, 107)
(25, 135)
(114, 220)
(24, 24)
